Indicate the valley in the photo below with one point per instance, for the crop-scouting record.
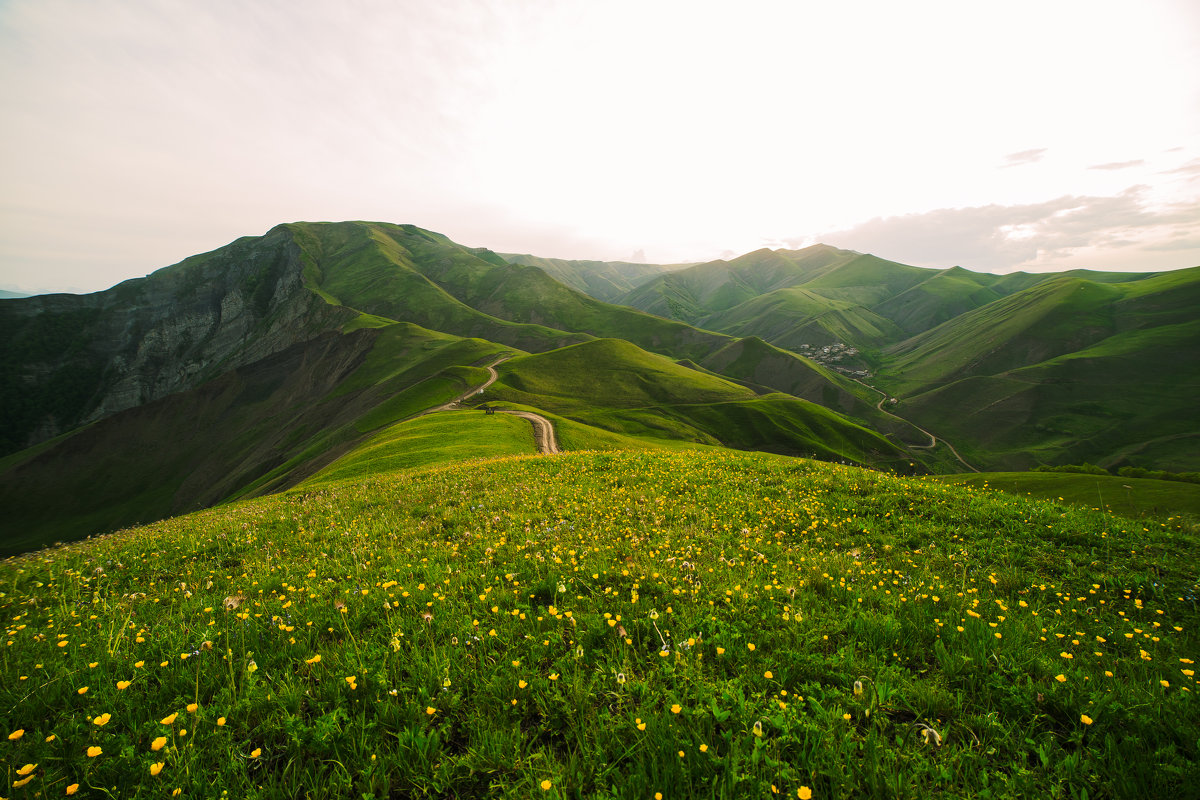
(360, 326)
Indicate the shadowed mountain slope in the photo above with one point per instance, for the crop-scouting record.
(1069, 371)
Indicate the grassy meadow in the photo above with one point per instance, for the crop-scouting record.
(627, 624)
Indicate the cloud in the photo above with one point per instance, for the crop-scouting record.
(1024, 157)
(1118, 232)
(1190, 168)
(1119, 164)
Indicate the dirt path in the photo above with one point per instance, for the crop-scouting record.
(933, 440)
(453, 404)
(543, 429)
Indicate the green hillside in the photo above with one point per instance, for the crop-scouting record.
(1054, 318)
(758, 363)
(791, 318)
(711, 624)
(256, 429)
(404, 273)
(693, 293)
(604, 280)
(609, 373)
(446, 437)
(938, 299)
(613, 385)
(1070, 409)
(1066, 372)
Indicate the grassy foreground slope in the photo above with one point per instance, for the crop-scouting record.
(702, 624)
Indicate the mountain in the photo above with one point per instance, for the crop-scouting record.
(70, 360)
(1017, 370)
(244, 370)
(252, 368)
(1068, 371)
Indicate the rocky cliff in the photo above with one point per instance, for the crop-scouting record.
(70, 360)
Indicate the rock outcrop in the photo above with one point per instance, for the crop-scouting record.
(73, 359)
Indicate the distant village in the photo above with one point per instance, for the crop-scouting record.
(834, 356)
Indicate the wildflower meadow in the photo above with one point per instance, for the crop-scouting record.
(642, 625)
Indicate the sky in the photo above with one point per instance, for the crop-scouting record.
(998, 136)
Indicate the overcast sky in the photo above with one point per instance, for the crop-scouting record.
(1021, 134)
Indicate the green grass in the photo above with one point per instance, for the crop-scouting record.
(1130, 497)
(607, 373)
(433, 439)
(706, 624)
(794, 316)
(613, 385)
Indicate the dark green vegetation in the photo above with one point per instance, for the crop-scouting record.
(704, 624)
(249, 369)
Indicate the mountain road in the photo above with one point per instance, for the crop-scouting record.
(543, 429)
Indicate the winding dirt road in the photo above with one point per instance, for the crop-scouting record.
(453, 404)
(933, 440)
(543, 429)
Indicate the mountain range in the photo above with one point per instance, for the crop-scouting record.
(251, 368)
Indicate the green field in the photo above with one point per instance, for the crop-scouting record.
(701, 624)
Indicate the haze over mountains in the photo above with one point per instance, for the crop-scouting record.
(244, 370)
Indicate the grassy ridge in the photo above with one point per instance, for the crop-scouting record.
(614, 385)
(609, 373)
(1067, 409)
(434, 439)
(700, 625)
(402, 272)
